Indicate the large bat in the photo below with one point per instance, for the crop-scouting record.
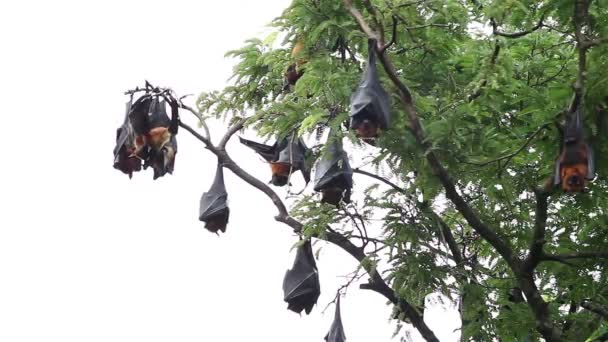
(125, 146)
(336, 331)
(333, 174)
(575, 164)
(369, 104)
(155, 133)
(214, 209)
(285, 156)
(301, 287)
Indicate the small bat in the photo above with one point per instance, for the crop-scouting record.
(369, 104)
(214, 209)
(575, 164)
(333, 174)
(336, 331)
(294, 72)
(301, 286)
(285, 156)
(125, 146)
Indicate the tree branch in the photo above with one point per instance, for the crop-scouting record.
(376, 284)
(518, 34)
(597, 309)
(538, 237)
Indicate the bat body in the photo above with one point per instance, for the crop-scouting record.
(285, 156)
(301, 286)
(333, 174)
(575, 164)
(336, 331)
(125, 146)
(294, 71)
(369, 104)
(214, 209)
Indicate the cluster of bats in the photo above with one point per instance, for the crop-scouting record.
(147, 138)
(148, 135)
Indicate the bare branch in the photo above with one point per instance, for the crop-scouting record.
(521, 33)
(538, 237)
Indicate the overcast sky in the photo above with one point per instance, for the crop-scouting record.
(87, 254)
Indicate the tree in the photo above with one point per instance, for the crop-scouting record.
(465, 199)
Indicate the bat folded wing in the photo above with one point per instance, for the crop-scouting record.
(301, 286)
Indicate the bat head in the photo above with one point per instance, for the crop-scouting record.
(218, 222)
(573, 177)
(292, 75)
(367, 129)
(332, 195)
(280, 173)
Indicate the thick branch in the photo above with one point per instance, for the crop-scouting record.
(538, 237)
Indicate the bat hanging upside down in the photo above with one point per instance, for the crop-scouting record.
(280, 173)
(156, 138)
(575, 164)
(367, 129)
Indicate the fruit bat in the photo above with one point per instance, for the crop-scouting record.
(155, 140)
(125, 146)
(336, 331)
(214, 209)
(369, 104)
(294, 70)
(575, 164)
(301, 287)
(333, 174)
(285, 156)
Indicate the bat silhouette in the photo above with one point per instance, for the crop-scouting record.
(214, 209)
(333, 174)
(575, 164)
(369, 104)
(125, 146)
(285, 156)
(336, 331)
(301, 286)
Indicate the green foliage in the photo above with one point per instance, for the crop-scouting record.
(489, 105)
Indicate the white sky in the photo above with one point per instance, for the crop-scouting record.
(86, 254)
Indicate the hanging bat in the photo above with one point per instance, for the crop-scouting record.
(333, 174)
(125, 146)
(336, 331)
(575, 164)
(285, 156)
(301, 286)
(369, 104)
(214, 209)
(155, 142)
(294, 70)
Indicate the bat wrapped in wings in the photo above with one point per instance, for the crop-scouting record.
(333, 174)
(301, 287)
(214, 209)
(336, 331)
(155, 142)
(285, 156)
(369, 104)
(125, 146)
(575, 164)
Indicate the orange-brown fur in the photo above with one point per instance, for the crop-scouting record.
(280, 169)
(156, 138)
(573, 168)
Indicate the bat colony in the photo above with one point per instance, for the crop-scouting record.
(147, 138)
